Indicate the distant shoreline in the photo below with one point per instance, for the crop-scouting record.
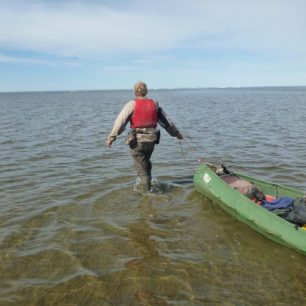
(157, 89)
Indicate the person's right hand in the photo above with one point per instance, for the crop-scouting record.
(180, 136)
(109, 142)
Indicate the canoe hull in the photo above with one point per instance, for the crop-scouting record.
(245, 210)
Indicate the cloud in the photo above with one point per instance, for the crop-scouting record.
(37, 61)
(23, 60)
(85, 30)
(93, 29)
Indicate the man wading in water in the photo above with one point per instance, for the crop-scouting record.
(143, 114)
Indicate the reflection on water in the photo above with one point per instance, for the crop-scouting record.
(73, 231)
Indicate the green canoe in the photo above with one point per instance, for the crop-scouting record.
(260, 219)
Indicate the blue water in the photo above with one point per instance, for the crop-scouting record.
(73, 231)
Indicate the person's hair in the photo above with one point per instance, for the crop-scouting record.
(140, 89)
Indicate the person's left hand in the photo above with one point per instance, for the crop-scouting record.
(180, 136)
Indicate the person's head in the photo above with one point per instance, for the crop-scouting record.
(140, 89)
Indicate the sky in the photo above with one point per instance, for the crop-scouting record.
(111, 44)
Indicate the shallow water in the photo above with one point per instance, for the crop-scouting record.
(73, 231)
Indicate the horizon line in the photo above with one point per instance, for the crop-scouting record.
(149, 89)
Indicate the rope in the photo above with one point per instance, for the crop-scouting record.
(192, 146)
(183, 153)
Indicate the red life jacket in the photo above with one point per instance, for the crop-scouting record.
(145, 114)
